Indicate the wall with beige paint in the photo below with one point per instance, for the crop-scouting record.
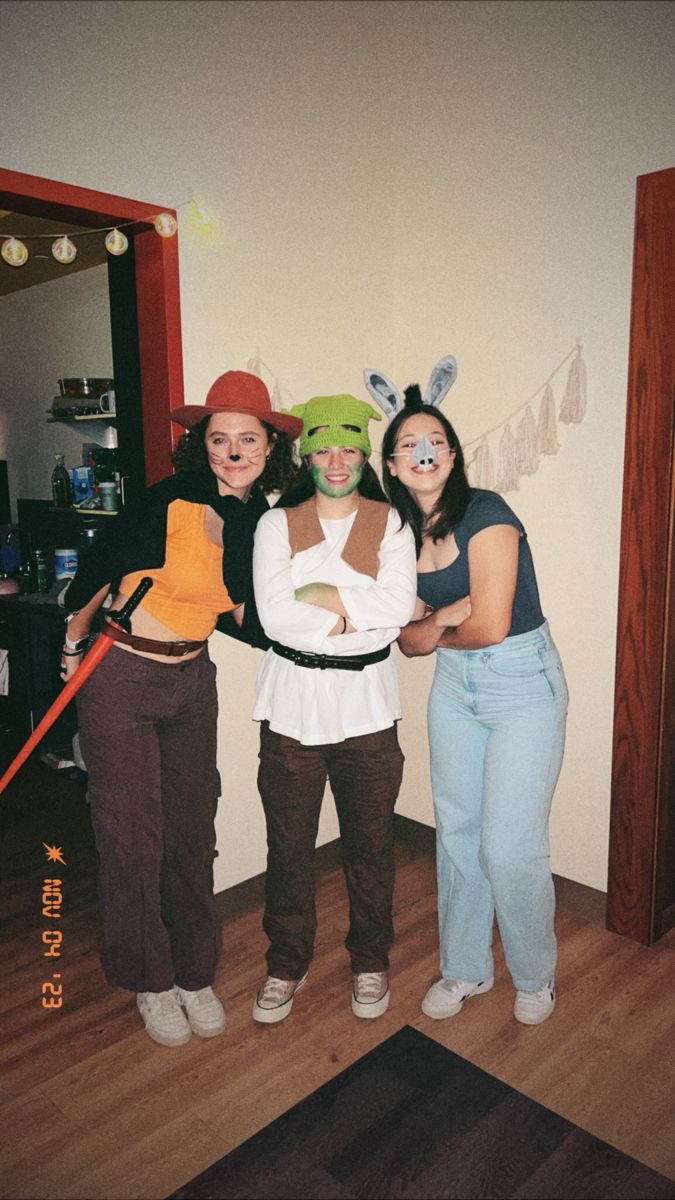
(392, 181)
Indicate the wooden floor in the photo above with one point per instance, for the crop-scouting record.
(92, 1108)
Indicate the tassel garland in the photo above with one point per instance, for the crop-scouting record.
(520, 454)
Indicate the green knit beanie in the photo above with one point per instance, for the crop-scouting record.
(328, 417)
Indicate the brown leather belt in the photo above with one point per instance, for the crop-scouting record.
(168, 649)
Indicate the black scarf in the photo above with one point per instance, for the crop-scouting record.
(136, 540)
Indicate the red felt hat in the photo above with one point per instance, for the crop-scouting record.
(238, 392)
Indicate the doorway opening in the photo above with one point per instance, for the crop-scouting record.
(147, 341)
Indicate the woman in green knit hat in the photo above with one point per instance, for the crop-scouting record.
(334, 576)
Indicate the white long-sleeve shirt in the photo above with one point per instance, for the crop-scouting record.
(317, 706)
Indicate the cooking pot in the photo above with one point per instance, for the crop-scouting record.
(85, 386)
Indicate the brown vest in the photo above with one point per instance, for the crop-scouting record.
(363, 543)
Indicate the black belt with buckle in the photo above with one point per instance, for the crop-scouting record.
(343, 662)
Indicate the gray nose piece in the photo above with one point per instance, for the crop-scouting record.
(424, 455)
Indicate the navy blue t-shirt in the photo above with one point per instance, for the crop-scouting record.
(437, 588)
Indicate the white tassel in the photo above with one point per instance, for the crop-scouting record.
(527, 460)
(573, 405)
(276, 399)
(254, 364)
(507, 476)
(481, 469)
(547, 433)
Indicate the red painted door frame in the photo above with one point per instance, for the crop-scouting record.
(157, 291)
(641, 886)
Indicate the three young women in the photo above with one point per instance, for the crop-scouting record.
(147, 714)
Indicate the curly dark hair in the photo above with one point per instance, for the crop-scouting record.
(282, 465)
(453, 501)
(302, 487)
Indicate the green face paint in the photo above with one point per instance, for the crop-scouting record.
(328, 488)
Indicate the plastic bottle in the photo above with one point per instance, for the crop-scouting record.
(60, 484)
(39, 578)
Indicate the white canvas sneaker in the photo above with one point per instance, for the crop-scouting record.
(163, 1018)
(447, 997)
(205, 1013)
(370, 994)
(531, 1008)
(274, 1001)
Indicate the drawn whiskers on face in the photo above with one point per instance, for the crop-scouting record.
(423, 454)
(251, 458)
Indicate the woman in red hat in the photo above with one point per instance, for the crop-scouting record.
(147, 715)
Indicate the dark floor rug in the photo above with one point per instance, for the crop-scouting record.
(412, 1119)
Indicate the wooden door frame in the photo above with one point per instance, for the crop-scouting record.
(157, 292)
(644, 732)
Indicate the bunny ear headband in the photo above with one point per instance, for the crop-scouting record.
(389, 398)
(424, 454)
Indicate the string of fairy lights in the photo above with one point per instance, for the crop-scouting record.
(15, 252)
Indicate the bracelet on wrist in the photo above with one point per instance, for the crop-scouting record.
(344, 624)
(70, 653)
(77, 646)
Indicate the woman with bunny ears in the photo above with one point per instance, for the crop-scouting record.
(497, 708)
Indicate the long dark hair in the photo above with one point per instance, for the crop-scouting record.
(302, 488)
(452, 502)
(281, 468)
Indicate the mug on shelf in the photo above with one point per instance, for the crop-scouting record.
(106, 402)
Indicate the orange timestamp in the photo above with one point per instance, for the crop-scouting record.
(52, 940)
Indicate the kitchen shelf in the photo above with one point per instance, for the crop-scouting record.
(85, 512)
(109, 417)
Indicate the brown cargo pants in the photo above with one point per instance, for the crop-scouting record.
(365, 777)
(148, 739)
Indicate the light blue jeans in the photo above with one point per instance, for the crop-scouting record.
(496, 734)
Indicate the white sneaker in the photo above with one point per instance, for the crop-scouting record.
(370, 994)
(446, 998)
(274, 1001)
(205, 1013)
(531, 1008)
(163, 1018)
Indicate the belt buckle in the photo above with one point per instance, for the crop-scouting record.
(178, 649)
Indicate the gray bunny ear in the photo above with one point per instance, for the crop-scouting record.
(441, 380)
(383, 392)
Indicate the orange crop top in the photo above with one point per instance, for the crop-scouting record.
(187, 592)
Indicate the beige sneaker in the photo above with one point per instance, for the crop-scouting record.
(163, 1017)
(531, 1008)
(205, 1013)
(274, 1001)
(370, 994)
(447, 997)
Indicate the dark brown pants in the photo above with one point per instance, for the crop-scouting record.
(365, 777)
(148, 738)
